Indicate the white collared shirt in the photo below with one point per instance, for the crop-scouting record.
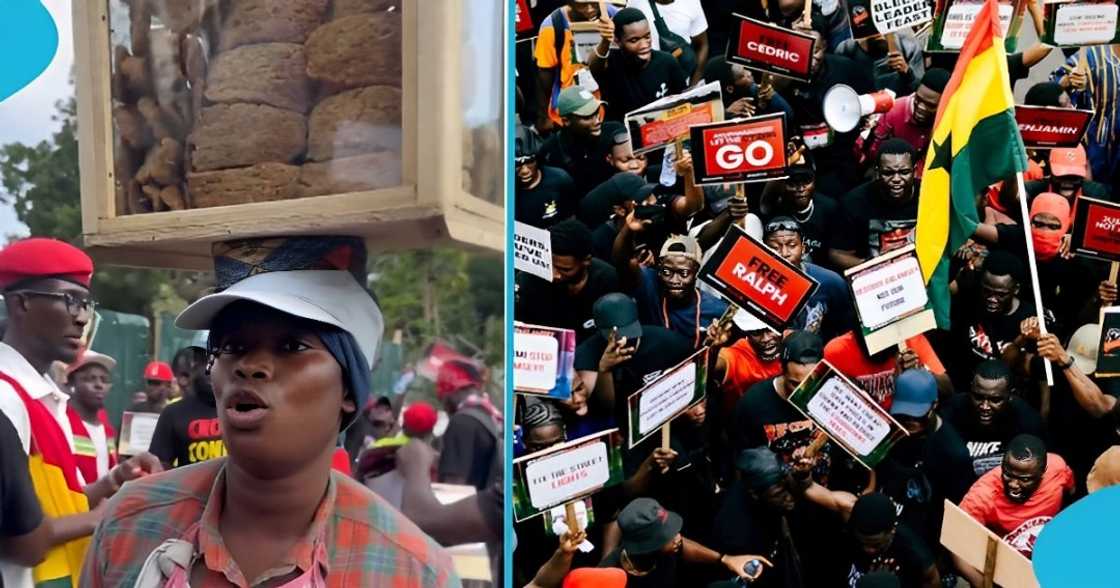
(38, 386)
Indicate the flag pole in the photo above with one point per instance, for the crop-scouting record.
(1034, 271)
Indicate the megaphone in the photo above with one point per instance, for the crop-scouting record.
(843, 107)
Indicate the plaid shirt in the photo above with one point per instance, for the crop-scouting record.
(355, 539)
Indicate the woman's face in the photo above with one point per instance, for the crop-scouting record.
(279, 391)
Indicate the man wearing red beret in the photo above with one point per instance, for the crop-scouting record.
(46, 289)
(474, 430)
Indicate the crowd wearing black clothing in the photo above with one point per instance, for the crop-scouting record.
(747, 489)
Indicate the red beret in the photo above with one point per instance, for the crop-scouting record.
(419, 419)
(44, 258)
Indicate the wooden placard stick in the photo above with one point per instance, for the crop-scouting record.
(1113, 272)
(892, 44)
(814, 447)
(1036, 16)
(678, 149)
(603, 14)
(807, 16)
(665, 435)
(570, 515)
(990, 563)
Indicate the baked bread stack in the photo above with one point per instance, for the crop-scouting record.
(256, 100)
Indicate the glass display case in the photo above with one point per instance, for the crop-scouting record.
(205, 120)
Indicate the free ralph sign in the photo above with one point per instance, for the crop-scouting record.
(753, 277)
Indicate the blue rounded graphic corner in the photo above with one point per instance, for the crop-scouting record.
(1078, 548)
(28, 42)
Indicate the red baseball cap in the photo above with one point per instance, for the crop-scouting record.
(159, 371)
(1069, 162)
(419, 419)
(595, 578)
(44, 258)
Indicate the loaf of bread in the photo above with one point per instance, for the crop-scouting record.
(351, 174)
(342, 8)
(270, 73)
(236, 135)
(356, 51)
(355, 122)
(259, 183)
(268, 21)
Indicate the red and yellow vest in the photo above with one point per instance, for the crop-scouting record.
(54, 473)
(85, 453)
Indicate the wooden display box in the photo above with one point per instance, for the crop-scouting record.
(431, 206)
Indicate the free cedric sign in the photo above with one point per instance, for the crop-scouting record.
(753, 277)
(769, 48)
(1080, 24)
(891, 298)
(663, 121)
(872, 18)
(565, 473)
(850, 417)
(1096, 229)
(740, 150)
(1049, 127)
(667, 397)
(543, 360)
(532, 250)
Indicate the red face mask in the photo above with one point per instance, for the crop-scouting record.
(1047, 242)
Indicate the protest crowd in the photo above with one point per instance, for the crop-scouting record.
(737, 482)
(260, 456)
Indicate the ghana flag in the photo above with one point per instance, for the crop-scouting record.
(975, 143)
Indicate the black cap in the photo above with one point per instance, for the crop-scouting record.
(647, 526)
(873, 514)
(617, 310)
(760, 467)
(803, 347)
(879, 580)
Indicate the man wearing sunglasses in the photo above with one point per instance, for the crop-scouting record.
(46, 290)
(545, 195)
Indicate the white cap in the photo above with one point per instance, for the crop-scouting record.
(333, 297)
(748, 322)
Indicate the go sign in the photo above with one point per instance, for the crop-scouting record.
(741, 150)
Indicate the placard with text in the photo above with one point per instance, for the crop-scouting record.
(740, 150)
(755, 278)
(872, 18)
(1096, 229)
(663, 121)
(532, 250)
(667, 397)
(1049, 127)
(770, 48)
(1108, 350)
(523, 21)
(566, 472)
(891, 299)
(850, 417)
(952, 20)
(543, 361)
(1080, 24)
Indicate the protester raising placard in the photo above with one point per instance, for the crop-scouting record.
(740, 150)
(542, 360)
(849, 416)
(753, 277)
(660, 123)
(869, 18)
(667, 397)
(566, 472)
(769, 48)
(890, 298)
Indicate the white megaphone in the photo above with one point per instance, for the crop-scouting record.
(843, 107)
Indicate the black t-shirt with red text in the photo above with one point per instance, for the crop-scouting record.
(188, 432)
(872, 227)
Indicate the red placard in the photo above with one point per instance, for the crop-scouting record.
(770, 48)
(1096, 229)
(752, 276)
(741, 150)
(667, 130)
(524, 20)
(1047, 127)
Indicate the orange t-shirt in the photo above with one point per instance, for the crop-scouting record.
(744, 369)
(1019, 524)
(846, 355)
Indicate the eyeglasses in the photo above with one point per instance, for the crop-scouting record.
(524, 159)
(783, 225)
(74, 305)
